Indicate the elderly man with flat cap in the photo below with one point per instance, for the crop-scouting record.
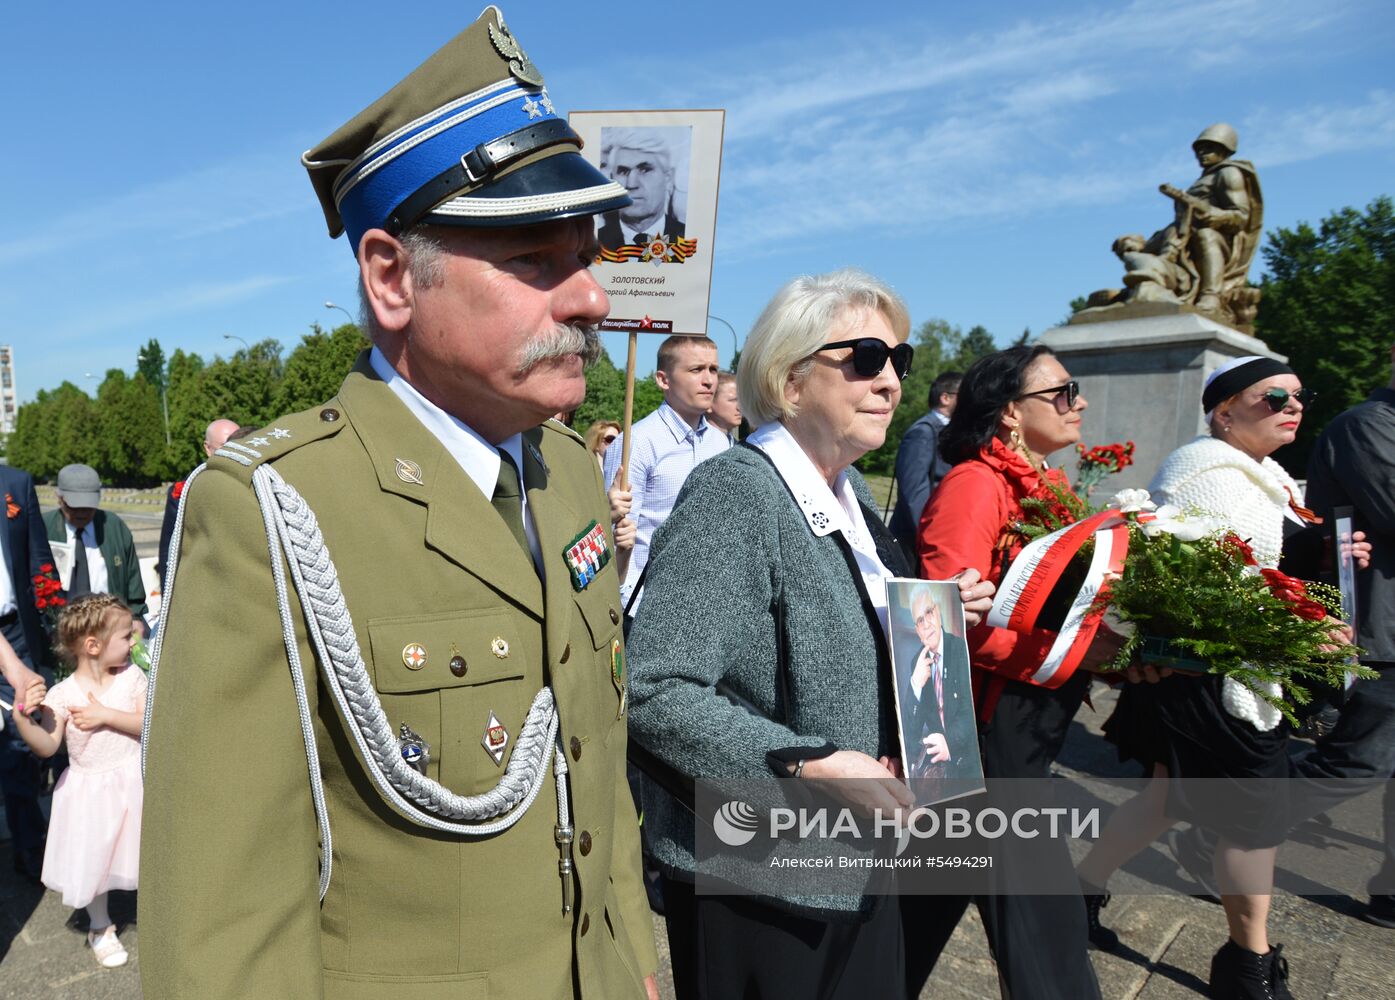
(397, 767)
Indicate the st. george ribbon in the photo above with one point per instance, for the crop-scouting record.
(1037, 569)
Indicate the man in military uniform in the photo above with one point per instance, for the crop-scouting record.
(464, 575)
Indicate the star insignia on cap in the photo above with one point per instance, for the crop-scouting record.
(547, 104)
(280, 432)
(534, 110)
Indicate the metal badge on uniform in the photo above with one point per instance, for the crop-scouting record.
(586, 555)
(500, 647)
(617, 674)
(408, 471)
(415, 750)
(414, 656)
(496, 739)
(537, 456)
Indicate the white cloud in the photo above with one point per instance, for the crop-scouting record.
(902, 129)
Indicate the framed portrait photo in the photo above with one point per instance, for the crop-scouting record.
(655, 261)
(934, 695)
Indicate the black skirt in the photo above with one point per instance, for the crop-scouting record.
(1226, 775)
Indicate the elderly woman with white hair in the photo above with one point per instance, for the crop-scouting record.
(761, 646)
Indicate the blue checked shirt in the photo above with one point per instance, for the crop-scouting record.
(665, 450)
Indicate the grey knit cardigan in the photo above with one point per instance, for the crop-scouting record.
(735, 541)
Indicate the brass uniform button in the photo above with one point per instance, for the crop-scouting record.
(329, 414)
(566, 653)
(584, 843)
(614, 617)
(576, 748)
(585, 923)
(457, 666)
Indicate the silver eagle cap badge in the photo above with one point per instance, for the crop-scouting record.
(519, 63)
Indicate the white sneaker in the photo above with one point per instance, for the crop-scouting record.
(107, 948)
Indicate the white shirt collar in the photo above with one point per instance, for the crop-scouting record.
(827, 510)
(475, 455)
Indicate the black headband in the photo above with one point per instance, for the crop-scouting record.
(1222, 387)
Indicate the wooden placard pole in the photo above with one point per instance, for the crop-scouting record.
(622, 559)
(629, 409)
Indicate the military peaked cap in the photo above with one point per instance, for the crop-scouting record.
(469, 138)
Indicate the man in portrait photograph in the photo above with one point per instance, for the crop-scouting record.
(937, 711)
(642, 160)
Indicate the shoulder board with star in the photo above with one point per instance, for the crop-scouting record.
(281, 436)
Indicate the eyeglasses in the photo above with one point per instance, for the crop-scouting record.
(609, 438)
(1063, 397)
(1278, 398)
(869, 356)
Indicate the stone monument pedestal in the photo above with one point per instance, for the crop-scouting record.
(1143, 377)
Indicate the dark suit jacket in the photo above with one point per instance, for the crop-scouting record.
(25, 549)
(611, 236)
(118, 550)
(922, 716)
(1353, 465)
(167, 530)
(919, 469)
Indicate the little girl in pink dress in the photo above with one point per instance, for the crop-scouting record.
(94, 831)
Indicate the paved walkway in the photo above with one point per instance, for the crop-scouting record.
(1168, 939)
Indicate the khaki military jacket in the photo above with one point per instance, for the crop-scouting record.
(229, 901)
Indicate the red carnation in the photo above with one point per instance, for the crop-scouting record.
(1309, 610)
(1238, 546)
(177, 491)
(46, 568)
(40, 603)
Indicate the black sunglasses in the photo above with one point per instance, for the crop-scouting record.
(1278, 398)
(1063, 397)
(869, 356)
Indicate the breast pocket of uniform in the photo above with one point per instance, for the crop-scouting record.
(600, 610)
(456, 687)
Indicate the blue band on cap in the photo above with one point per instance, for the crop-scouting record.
(379, 184)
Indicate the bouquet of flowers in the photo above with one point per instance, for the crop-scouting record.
(1189, 594)
(48, 595)
(1099, 462)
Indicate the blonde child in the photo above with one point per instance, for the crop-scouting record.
(94, 832)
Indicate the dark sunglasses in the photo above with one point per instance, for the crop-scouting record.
(869, 356)
(1063, 397)
(1278, 398)
(609, 438)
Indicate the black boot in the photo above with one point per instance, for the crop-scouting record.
(1240, 974)
(1097, 899)
(1278, 979)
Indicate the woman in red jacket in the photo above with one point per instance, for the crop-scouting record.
(1015, 408)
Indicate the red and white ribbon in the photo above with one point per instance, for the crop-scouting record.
(1039, 567)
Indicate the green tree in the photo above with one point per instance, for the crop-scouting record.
(150, 362)
(605, 395)
(317, 366)
(186, 412)
(939, 347)
(58, 428)
(242, 388)
(1329, 304)
(131, 431)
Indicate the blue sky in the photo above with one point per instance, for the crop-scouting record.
(980, 157)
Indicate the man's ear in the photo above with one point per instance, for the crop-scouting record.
(386, 278)
(661, 379)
